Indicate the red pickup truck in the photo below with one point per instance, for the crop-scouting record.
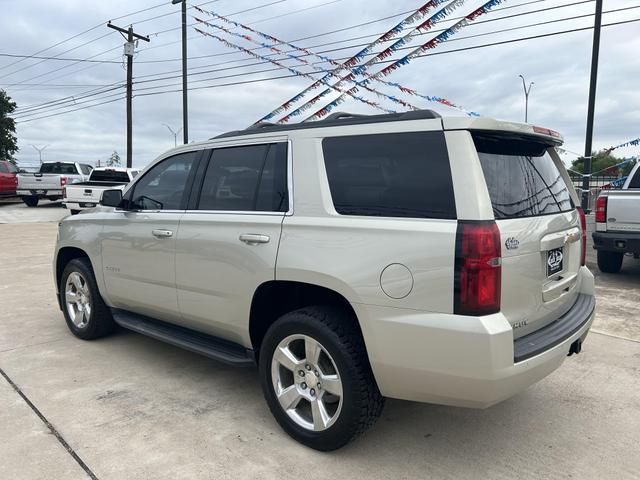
(8, 179)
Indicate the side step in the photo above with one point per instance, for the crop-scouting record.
(207, 345)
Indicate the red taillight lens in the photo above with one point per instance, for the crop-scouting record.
(601, 210)
(63, 181)
(583, 226)
(478, 270)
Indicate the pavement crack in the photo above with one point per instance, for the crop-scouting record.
(51, 428)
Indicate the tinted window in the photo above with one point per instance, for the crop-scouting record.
(59, 168)
(390, 175)
(86, 169)
(251, 178)
(521, 177)
(162, 187)
(12, 168)
(109, 176)
(635, 181)
(3, 168)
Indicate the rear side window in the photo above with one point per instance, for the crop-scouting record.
(246, 179)
(390, 175)
(59, 168)
(3, 168)
(522, 179)
(86, 169)
(109, 176)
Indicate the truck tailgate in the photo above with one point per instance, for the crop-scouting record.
(38, 182)
(623, 213)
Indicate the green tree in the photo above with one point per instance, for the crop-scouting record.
(602, 163)
(113, 160)
(8, 140)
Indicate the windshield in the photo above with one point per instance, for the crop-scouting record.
(522, 179)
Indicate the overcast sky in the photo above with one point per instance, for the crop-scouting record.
(481, 79)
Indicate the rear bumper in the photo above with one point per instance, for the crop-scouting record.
(624, 242)
(463, 361)
(39, 193)
(79, 206)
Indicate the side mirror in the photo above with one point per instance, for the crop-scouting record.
(111, 198)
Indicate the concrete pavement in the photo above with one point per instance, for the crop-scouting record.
(130, 407)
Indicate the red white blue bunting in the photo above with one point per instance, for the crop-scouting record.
(442, 37)
(292, 70)
(631, 143)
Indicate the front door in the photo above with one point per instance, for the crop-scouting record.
(228, 239)
(138, 245)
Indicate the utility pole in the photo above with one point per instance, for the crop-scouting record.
(174, 133)
(527, 91)
(586, 172)
(40, 150)
(185, 112)
(129, 51)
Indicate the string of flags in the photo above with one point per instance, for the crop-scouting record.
(631, 143)
(317, 68)
(291, 70)
(442, 37)
(362, 70)
(351, 62)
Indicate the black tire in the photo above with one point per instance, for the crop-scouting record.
(30, 201)
(362, 402)
(100, 321)
(610, 262)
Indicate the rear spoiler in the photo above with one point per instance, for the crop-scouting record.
(482, 123)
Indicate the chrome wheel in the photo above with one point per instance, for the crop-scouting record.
(78, 299)
(306, 382)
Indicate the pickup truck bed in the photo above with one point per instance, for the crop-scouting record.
(84, 195)
(618, 224)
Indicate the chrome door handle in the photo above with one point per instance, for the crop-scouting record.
(162, 233)
(254, 238)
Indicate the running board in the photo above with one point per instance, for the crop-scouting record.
(207, 345)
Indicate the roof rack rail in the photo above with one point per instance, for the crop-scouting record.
(335, 119)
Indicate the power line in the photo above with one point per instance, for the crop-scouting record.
(325, 51)
(56, 58)
(386, 61)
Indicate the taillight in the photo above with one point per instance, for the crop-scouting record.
(478, 268)
(63, 181)
(601, 210)
(583, 226)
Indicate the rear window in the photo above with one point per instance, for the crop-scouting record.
(635, 181)
(390, 175)
(109, 176)
(521, 177)
(59, 168)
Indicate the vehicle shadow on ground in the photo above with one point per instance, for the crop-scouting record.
(406, 428)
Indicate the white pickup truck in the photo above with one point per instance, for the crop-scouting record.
(49, 182)
(84, 195)
(618, 224)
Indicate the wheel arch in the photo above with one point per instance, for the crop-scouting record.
(64, 256)
(275, 298)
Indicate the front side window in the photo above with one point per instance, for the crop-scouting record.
(245, 179)
(163, 186)
(390, 175)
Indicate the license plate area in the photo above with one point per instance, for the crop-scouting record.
(555, 261)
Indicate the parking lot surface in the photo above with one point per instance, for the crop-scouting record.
(129, 407)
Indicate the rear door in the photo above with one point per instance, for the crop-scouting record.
(7, 180)
(539, 227)
(228, 239)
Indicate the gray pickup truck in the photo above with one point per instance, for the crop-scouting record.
(618, 224)
(50, 181)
